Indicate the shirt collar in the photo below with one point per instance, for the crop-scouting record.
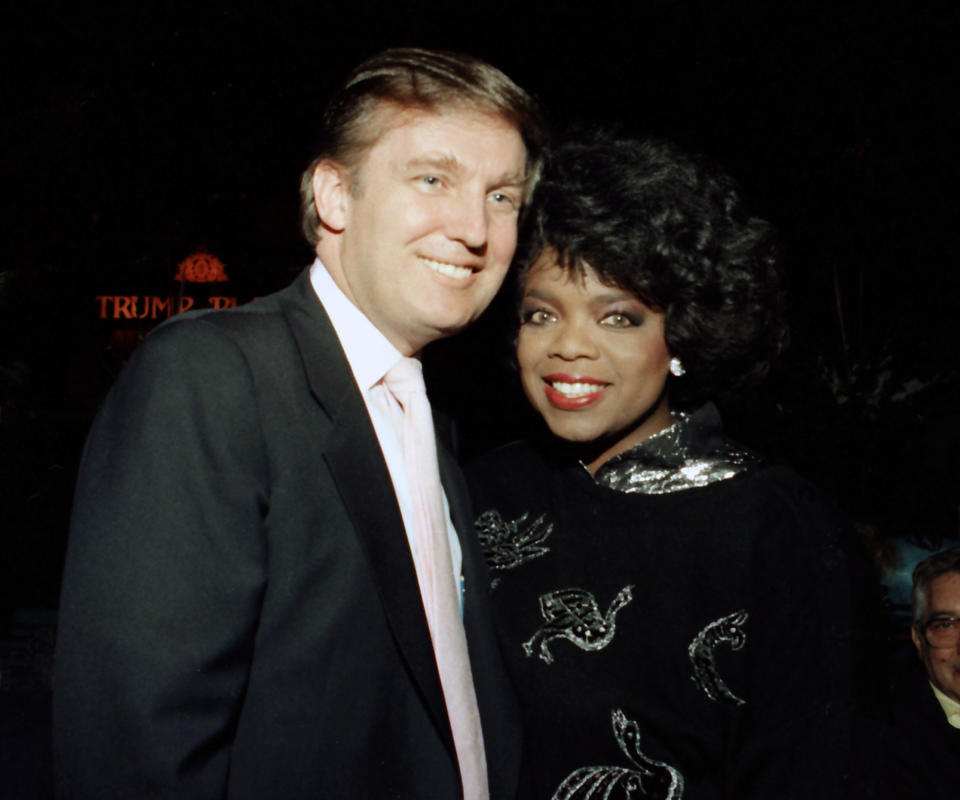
(950, 706)
(369, 353)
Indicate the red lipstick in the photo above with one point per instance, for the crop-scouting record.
(565, 403)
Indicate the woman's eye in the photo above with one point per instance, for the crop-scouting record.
(430, 180)
(502, 198)
(536, 316)
(618, 319)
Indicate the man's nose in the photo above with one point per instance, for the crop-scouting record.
(468, 222)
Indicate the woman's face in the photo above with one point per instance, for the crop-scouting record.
(593, 360)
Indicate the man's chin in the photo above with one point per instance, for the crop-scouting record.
(453, 326)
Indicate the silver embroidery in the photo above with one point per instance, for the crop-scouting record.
(651, 778)
(575, 615)
(507, 545)
(726, 630)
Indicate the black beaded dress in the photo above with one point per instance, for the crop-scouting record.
(677, 626)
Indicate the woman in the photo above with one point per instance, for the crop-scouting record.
(674, 608)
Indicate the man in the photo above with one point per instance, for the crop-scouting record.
(936, 635)
(241, 614)
(936, 628)
(924, 760)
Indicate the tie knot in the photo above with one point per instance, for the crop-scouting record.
(405, 380)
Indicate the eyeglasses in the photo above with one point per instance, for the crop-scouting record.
(942, 632)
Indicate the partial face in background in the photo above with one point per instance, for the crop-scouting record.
(593, 360)
(943, 664)
(425, 229)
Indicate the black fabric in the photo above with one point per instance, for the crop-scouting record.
(763, 542)
(240, 615)
(922, 756)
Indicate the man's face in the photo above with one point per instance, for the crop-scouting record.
(430, 227)
(943, 664)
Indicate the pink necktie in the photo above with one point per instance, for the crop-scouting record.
(438, 587)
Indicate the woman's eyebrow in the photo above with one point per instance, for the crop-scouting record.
(538, 294)
(614, 297)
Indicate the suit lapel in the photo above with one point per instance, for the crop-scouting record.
(499, 713)
(356, 463)
(474, 567)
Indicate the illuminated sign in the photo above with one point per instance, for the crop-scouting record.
(201, 267)
(135, 306)
(198, 267)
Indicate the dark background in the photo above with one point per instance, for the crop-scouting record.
(134, 136)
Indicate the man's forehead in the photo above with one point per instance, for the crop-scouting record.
(945, 592)
(388, 116)
(430, 150)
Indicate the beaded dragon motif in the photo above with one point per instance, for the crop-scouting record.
(507, 545)
(727, 630)
(647, 777)
(574, 614)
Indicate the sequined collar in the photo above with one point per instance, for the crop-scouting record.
(692, 452)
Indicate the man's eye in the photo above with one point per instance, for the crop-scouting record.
(432, 184)
(501, 198)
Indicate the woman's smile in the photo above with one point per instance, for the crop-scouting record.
(570, 392)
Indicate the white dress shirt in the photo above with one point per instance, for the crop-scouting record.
(950, 706)
(370, 356)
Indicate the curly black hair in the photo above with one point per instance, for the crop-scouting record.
(670, 228)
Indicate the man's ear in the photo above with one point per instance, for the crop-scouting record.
(330, 191)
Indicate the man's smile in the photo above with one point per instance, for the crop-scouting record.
(444, 268)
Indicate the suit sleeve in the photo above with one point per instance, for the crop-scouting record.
(164, 575)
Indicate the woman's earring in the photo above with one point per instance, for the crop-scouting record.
(676, 367)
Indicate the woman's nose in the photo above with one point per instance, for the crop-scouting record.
(573, 340)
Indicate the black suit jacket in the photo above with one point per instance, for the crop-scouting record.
(906, 749)
(240, 613)
(929, 747)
